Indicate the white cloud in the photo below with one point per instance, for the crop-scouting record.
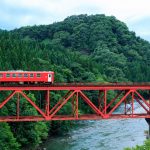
(29, 12)
(126, 10)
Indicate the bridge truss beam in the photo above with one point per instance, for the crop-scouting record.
(101, 103)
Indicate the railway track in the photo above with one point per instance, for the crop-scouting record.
(96, 84)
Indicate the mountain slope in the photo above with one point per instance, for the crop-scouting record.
(107, 41)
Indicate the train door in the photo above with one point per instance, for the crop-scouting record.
(49, 77)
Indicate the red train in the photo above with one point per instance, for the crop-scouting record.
(26, 77)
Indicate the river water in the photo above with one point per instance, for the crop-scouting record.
(101, 135)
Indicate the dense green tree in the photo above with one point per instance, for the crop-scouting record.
(7, 139)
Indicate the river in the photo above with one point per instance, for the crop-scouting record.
(101, 135)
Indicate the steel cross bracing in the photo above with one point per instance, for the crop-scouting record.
(95, 97)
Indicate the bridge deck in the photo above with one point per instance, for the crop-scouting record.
(78, 86)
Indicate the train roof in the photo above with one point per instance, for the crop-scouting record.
(27, 71)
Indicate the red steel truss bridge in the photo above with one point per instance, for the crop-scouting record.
(96, 97)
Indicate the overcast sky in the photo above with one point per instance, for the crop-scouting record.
(17, 13)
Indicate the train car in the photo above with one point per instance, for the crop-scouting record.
(26, 77)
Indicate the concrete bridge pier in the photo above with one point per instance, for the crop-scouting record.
(148, 121)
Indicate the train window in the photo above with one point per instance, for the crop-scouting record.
(25, 75)
(14, 75)
(1, 75)
(38, 75)
(7, 75)
(31, 75)
(20, 75)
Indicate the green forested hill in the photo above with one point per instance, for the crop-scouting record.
(82, 48)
